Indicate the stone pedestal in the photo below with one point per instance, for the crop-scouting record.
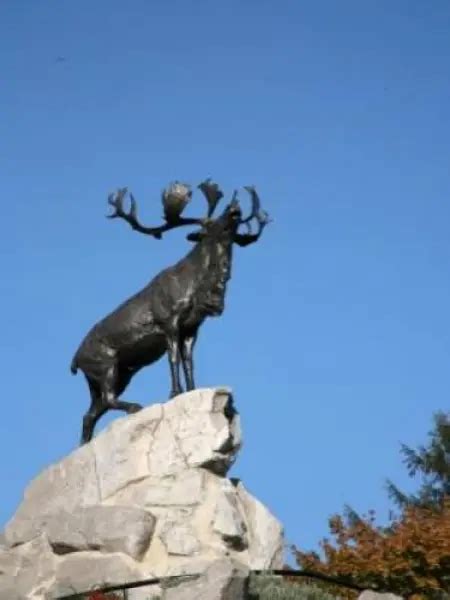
(148, 497)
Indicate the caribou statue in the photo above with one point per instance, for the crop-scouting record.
(166, 315)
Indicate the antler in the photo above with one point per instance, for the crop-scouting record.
(212, 194)
(257, 213)
(116, 201)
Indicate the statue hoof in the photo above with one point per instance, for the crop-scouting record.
(134, 408)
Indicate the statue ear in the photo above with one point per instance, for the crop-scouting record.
(195, 236)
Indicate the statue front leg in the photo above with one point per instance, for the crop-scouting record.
(187, 351)
(173, 352)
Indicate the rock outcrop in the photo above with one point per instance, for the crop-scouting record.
(148, 497)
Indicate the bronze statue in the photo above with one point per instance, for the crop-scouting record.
(166, 315)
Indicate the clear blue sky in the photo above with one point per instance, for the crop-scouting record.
(336, 336)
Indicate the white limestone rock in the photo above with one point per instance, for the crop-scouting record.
(146, 592)
(228, 519)
(148, 496)
(370, 595)
(224, 579)
(122, 450)
(30, 568)
(10, 562)
(180, 489)
(103, 528)
(8, 589)
(180, 539)
(85, 571)
(64, 486)
(265, 533)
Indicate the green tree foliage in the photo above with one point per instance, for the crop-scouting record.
(431, 463)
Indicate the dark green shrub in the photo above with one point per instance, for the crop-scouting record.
(267, 587)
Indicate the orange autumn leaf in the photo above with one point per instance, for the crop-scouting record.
(411, 557)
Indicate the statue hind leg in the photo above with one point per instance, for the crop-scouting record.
(113, 383)
(96, 410)
(105, 389)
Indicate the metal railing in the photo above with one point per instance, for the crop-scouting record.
(119, 591)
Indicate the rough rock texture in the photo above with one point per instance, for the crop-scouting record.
(83, 571)
(101, 528)
(2, 541)
(148, 497)
(370, 595)
(223, 580)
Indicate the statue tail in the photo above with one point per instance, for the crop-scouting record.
(74, 365)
